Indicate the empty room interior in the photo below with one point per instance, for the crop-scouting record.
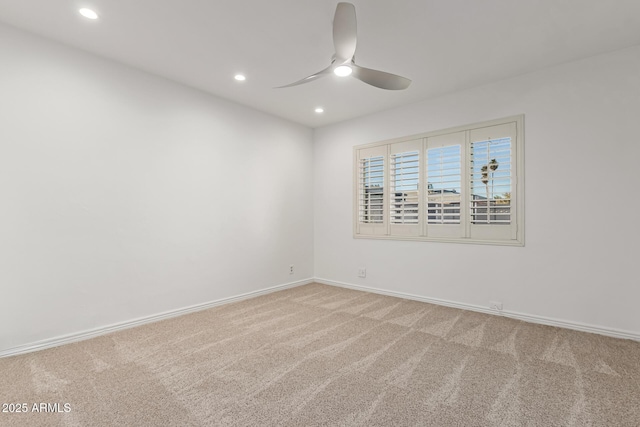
(300, 213)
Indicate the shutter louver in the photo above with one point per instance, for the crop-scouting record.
(490, 172)
(444, 185)
(371, 190)
(404, 188)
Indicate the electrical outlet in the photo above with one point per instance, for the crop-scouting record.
(495, 305)
(291, 269)
(362, 272)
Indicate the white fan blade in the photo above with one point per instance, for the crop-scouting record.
(380, 78)
(311, 78)
(344, 32)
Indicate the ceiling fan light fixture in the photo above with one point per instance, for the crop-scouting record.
(342, 71)
(343, 63)
(88, 13)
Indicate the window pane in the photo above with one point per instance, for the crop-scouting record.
(371, 194)
(444, 185)
(404, 184)
(490, 174)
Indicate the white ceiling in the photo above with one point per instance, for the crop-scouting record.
(443, 45)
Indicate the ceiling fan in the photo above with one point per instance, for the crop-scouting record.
(343, 61)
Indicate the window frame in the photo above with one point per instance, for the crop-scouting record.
(387, 230)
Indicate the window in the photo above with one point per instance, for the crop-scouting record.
(371, 194)
(372, 190)
(404, 182)
(462, 185)
(404, 188)
(444, 185)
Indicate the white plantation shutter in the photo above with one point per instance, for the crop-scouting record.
(492, 159)
(456, 185)
(444, 175)
(404, 179)
(371, 190)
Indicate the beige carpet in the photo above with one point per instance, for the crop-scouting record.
(320, 355)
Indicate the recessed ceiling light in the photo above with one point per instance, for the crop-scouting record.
(88, 13)
(343, 70)
(319, 110)
(240, 77)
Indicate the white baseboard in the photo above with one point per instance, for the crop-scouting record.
(70, 338)
(616, 333)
